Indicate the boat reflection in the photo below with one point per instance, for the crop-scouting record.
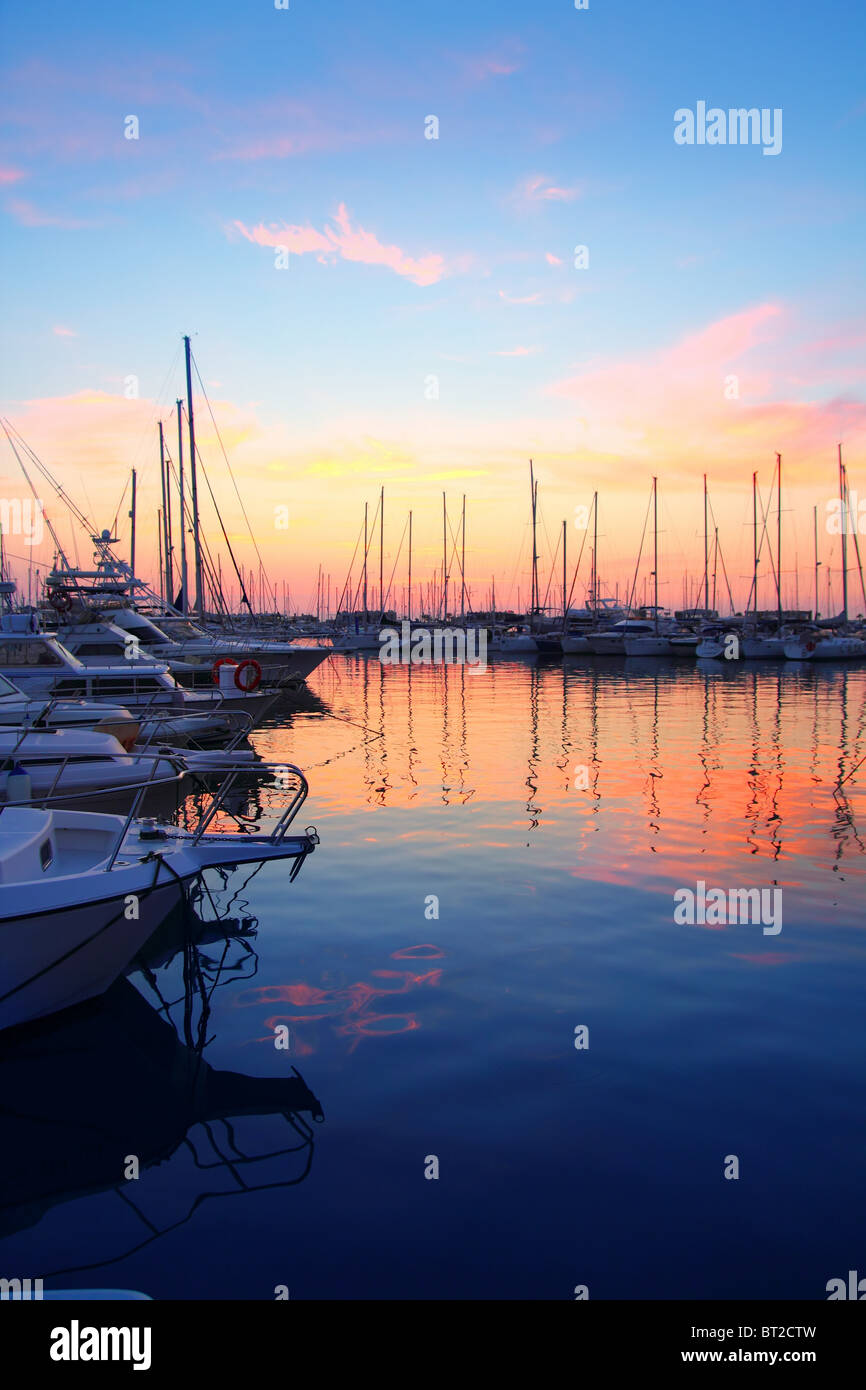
(85, 1093)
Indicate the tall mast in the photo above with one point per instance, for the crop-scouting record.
(655, 554)
(166, 523)
(199, 597)
(409, 613)
(184, 596)
(444, 561)
(381, 552)
(365, 563)
(817, 561)
(534, 600)
(755, 542)
(132, 540)
(564, 615)
(779, 539)
(594, 582)
(706, 552)
(159, 536)
(463, 563)
(844, 500)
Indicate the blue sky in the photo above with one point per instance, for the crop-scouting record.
(555, 129)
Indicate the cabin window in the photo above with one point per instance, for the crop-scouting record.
(28, 654)
(46, 854)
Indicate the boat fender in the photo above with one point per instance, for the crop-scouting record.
(18, 784)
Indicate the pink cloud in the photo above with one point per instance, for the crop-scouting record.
(8, 175)
(518, 352)
(30, 216)
(500, 62)
(60, 332)
(524, 299)
(348, 242)
(551, 259)
(538, 188)
(672, 404)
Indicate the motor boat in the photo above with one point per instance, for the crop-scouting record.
(818, 645)
(82, 891)
(67, 762)
(362, 639)
(41, 665)
(611, 641)
(514, 641)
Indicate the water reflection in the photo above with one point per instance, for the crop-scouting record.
(115, 1098)
(742, 763)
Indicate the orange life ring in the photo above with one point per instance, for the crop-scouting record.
(221, 661)
(60, 601)
(249, 686)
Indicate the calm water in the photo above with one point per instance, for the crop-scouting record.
(552, 813)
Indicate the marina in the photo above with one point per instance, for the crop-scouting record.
(432, 681)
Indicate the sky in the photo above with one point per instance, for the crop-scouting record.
(551, 277)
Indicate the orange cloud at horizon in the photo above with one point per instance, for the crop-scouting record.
(610, 427)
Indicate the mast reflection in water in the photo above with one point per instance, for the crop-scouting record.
(500, 853)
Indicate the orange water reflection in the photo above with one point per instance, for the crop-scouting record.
(684, 768)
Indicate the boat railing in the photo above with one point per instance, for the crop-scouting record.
(297, 795)
(242, 718)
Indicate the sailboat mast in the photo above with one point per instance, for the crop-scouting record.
(366, 504)
(817, 561)
(706, 552)
(779, 539)
(184, 600)
(594, 583)
(409, 613)
(564, 600)
(199, 597)
(132, 539)
(381, 553)
(844, 508)
(166, 525)
(534, 600)
(755, 543)
(444, 561)
(655, 554)
(463, 563)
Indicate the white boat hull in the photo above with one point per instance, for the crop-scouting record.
(97, 940)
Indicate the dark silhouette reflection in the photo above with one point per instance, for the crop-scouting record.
(84, 1092)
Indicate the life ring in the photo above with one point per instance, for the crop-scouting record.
(61, 601)
(810, 646)
(221, 661)
(247, 687)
